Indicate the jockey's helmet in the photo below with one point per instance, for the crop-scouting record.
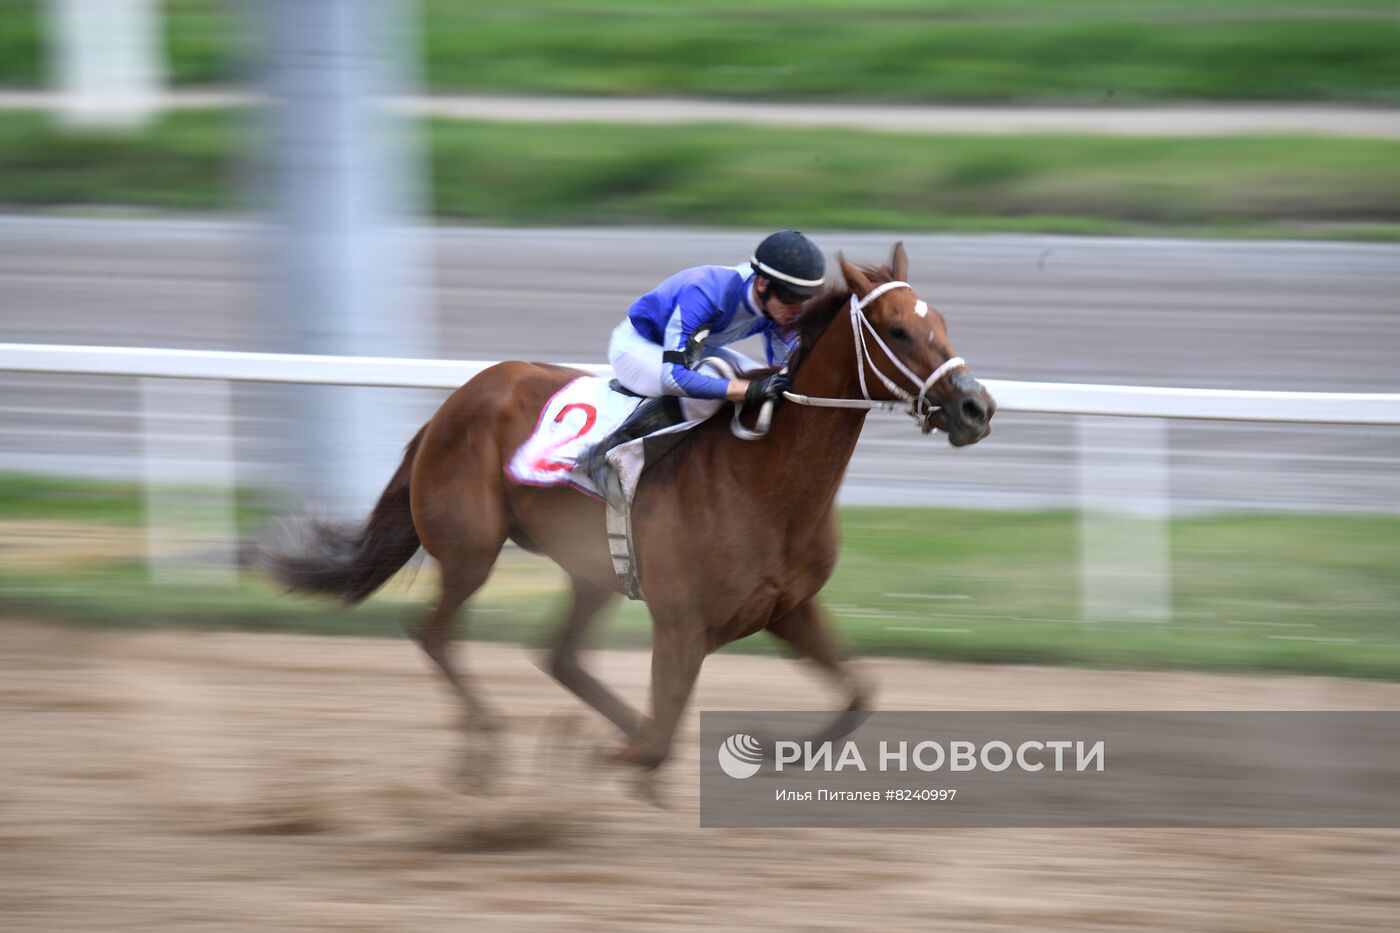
(792, 262)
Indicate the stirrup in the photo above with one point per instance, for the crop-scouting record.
(651, 415)
(600, 473)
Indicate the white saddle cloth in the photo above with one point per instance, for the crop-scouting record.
(574, 419)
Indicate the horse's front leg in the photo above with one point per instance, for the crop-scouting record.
(808, 632)
(678, 649)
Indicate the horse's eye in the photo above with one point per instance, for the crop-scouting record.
(898, 333)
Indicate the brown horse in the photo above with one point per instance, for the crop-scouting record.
(732, 537)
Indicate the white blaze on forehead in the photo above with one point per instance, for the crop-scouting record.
(921, 308)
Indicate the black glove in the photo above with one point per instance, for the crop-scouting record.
(771, 386)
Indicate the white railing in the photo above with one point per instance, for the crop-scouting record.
(1038, 397)
(1125, 569)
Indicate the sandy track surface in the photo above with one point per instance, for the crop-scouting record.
(181, 781)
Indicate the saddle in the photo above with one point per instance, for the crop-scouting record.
(575, 420)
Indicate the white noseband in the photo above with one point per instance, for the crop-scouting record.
(921, 407)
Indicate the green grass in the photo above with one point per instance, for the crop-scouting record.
(36, 497)
(24, 497)
(721, 175)
(1004, 50)
(1249, 592)
(186, 162)
(1085, 51)
(1310, 576)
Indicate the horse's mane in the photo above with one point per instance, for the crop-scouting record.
(824, 307)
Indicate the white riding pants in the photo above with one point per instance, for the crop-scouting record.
(637, 363)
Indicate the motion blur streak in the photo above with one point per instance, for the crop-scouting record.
(1302, 316)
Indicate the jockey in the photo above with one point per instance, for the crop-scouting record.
(696, 313)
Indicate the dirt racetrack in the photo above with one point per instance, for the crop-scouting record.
(170, 781)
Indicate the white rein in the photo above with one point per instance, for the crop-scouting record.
(920, 406)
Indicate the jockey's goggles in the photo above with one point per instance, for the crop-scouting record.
(785, 294)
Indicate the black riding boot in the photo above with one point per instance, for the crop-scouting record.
(653, 414)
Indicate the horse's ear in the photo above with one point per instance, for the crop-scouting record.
(899, 264)
(857, 282)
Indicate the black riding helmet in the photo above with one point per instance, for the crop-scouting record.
(791, 262)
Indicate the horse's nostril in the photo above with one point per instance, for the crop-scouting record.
(973, 411)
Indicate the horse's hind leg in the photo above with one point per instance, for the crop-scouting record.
(588, 600)
(434, 635)
(465, 564)
(808, 632)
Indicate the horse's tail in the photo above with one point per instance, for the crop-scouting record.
(352, 562)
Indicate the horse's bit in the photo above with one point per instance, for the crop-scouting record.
(921, 407)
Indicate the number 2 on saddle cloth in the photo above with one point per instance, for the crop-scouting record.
(590, 418)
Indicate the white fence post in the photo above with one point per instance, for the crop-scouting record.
(187, 449)
(1124, 510)
(107, 61)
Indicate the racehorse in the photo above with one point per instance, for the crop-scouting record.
(732, 536)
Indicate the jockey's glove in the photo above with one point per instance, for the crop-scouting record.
(767, 387)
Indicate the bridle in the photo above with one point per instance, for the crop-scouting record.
(920, 406)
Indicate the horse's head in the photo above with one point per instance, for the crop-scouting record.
(903, 353)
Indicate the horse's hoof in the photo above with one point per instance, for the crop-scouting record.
(636, 757)
(647, 788)
(480, 763)
(474, 778)
(474, 786)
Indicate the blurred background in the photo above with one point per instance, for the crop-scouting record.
(1183, 194)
